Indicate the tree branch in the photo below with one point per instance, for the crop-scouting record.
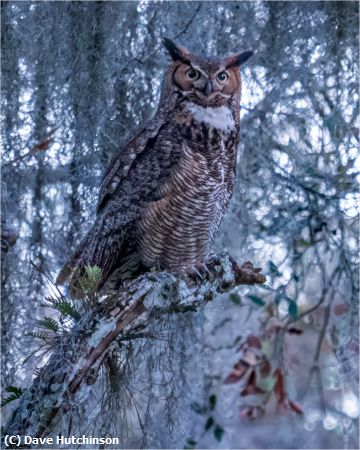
(74, 363)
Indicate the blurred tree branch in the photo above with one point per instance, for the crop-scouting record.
(40, 147)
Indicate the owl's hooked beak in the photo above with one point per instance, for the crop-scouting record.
(208, 88)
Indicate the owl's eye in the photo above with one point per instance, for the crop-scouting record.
(192, 74)
(222, 77)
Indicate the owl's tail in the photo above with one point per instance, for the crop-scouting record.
(100, 248)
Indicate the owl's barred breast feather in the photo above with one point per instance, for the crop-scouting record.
(178, 230)
(165, 193)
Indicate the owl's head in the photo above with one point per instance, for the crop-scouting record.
(204, 80)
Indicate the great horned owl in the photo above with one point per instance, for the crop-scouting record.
(164, 194)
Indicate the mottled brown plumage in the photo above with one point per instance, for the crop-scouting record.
(164, 194)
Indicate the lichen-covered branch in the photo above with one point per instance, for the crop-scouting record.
(74, 363)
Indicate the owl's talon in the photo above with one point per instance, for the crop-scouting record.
(207, 271)
(213, 261)
(204, 270)
(194, 273)
(197, 273)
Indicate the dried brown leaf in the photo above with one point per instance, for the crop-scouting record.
(236, 374)
(253, 341)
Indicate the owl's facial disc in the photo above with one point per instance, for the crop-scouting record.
(204, 85)
(205, 80)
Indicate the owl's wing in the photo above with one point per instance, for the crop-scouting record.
(133, 174)
(122, 161)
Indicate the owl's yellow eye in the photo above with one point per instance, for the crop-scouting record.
(222, 77)
(192, 74)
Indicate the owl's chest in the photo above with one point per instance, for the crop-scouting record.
(207, 142)
(178, 228)
(212, 135)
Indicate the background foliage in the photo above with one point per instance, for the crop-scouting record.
(76, 77)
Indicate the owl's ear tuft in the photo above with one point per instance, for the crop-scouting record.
(177, 52)
(239, 59)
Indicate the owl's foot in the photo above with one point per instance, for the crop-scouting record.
(214, 260)
(197, 273)
(244, 274)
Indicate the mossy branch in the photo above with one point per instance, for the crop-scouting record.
(75, 361)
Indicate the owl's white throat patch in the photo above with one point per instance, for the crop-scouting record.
(220, 117)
